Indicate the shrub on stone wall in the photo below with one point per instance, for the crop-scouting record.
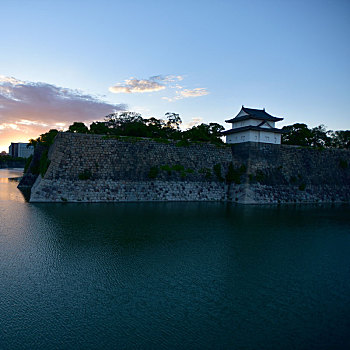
(217, 171)
(28, 161)
(166, 168)
(234, 175)
(259, 176)
(293, 179)
(85, 175)
(153, 172)
(302, 187)
(111, 137)
(206, 172)
(343, 164)
(178, 167)
(183, 143)
(44, 163)
(159, 140)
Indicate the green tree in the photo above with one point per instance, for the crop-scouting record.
(33, 142)
(158, 123)
(157, 128)
(320, 137)
(127, 124)
(216, 129)
(297, 134)
(300, 135)
(78, 127)
(45, 139)
(205, 132)
(174, 120)
(99, 128)
(341, 139)
(120, 119)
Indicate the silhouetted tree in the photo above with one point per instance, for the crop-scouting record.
(341, 139)
(78, 127)
(99, 128)
(45, 139)
(205, 132)
(174, 120)
(320, 137)
(119, 119)
(297, 134)
(300, 135)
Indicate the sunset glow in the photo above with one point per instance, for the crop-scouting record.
(79, 61)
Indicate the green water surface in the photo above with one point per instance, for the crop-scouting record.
(172, 275)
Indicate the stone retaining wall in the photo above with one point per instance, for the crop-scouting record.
(293, 165)
(90, 168)
(126, 191)
(131, 159)
(121, 170)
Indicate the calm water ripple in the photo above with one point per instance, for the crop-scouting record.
(172, 275)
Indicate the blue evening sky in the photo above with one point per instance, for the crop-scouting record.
(291, 57)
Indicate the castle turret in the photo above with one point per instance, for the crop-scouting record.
(253, 125)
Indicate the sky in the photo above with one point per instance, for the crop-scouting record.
(65, 61)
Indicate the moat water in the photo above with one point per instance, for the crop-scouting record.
(172, 275)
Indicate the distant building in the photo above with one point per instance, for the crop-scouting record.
(20, 149)
(254, 125)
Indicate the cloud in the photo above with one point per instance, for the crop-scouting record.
(28, 109)
(141, 109)
(170, 99)
(186, 93)
(157, 83)
(10, 80)
(152, 84)
(194, 121)
(131, 86)
(193, 93)
(8, 126)
(171, 78)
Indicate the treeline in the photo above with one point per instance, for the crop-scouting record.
(6, 158)
(133, 125)
(299, 134)
(7, 161)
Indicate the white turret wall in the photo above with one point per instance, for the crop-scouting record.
(254, 136)
(252, 122)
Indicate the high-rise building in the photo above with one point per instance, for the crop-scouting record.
(20, 149)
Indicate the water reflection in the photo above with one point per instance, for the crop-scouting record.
(8, 185)
(173, 275)
(11, 173)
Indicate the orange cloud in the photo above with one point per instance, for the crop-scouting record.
(28, 109)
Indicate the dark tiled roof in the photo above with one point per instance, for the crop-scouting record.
(255, 114)
(251, 127)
